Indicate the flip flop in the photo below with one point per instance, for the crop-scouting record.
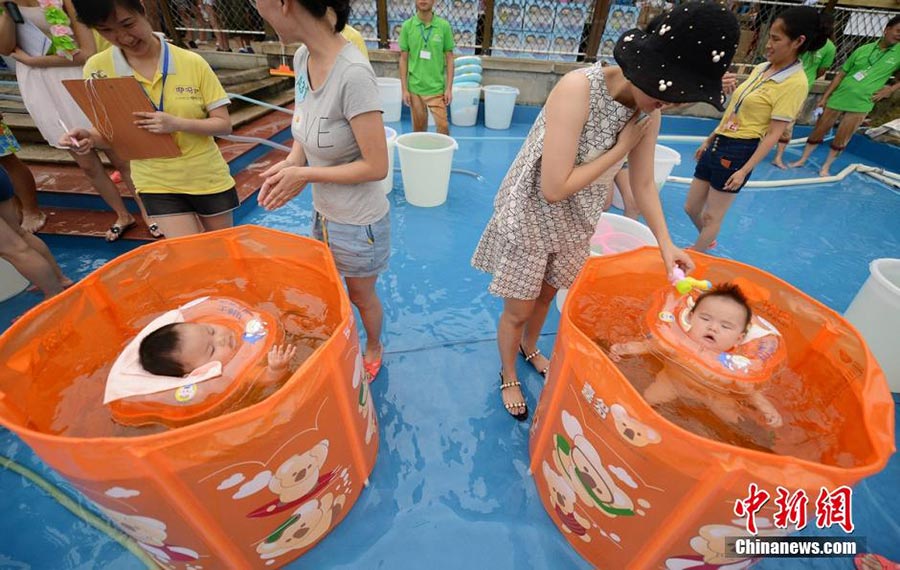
(154, 231)
(118, 230)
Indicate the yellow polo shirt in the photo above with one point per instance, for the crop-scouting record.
(354, 37)
(192, 90)
(778, 98)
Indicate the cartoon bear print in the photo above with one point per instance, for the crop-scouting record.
(711, 551)
(578, 460)
(308, 524)
(298, 476)
(632, 430)
(151, 536)
(563, 499)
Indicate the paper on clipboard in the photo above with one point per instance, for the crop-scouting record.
(110, 104)
(31, 39)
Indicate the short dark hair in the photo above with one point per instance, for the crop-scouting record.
(92, 13)
(805, 21)
(157, 350)
(727, 291)
(318, 9)
(893, 22)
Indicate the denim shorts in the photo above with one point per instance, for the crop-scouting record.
(204, 205)
(722, 158)
(359, 251)
(6, 186)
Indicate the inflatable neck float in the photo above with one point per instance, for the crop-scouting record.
(137, 397)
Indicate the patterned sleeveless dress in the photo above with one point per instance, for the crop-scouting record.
(529, 240)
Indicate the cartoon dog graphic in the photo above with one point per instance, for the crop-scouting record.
(563, 498)
(308, 524)
(632, 430)
(711, 549)
(297, 480)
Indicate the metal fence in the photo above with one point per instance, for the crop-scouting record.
(557, 30)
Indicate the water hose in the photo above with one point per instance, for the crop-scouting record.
(79, 511)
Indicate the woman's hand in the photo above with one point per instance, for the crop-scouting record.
(79, 141)
(673, 256)
(735, 181)
(700, 150)
(633, 132)
(22, 56)
(158, 122)
(729, 83)
(407, 99)
(276, 168)
(882, 93)
(283, 186)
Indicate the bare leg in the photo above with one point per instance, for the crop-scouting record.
(91, 165)
(534, 324)
(124, 168)
(516, 314)
(782, 145)
(624, 183)
(33, 219)
(660, 391)
(179, 225)
(846, 128)
(823, 125)
(717, 204)
(28, 261)
(219, 222)
(695, 202)
(365, 298)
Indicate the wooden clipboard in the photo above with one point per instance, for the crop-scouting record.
(110, 103)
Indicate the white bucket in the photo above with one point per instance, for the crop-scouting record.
(391, 93)
(464, 106)
(425, 163)
(11, 281)
(388, 183)
(614, 234)
(664, 160)
(875, 312)
(499, 104)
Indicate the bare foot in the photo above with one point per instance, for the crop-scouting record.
(796, 164)
(534, 357)
(823, 172)
(513, 399)
(777, 162)
(118, 229)
(33, 221)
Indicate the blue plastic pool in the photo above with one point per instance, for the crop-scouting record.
(451, 487)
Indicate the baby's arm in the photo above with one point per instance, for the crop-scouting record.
(773, 418)
(279, 358)
(633, 348)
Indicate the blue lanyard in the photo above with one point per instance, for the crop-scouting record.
(757, 83)
(425, 37)
(165, 74)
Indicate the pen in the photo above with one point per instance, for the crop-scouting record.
(65, 128)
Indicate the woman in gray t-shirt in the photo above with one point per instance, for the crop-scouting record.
(339, 148)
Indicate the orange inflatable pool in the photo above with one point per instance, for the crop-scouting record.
(631, 489)
(254, 487)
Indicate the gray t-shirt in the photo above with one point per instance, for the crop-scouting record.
(322, 125)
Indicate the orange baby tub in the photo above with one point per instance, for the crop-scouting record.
(629, 488)
(251, 488)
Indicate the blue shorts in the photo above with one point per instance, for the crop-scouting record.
(359, 251)
(6, 186)
(722, 158)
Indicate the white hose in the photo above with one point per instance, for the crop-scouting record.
(886, 176)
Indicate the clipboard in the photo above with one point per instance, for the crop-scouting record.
(110, 104)
(31, 39)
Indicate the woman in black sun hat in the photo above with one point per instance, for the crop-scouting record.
(551, 199)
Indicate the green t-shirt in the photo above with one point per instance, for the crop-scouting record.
(868, 69)
(427, 75)
(816, 60)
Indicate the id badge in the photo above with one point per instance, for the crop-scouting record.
(425, 54)
(859, 75)
(732, 124)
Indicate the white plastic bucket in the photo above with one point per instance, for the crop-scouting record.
(468, 78)
(467, 60)
(664, 160)
(388, 183)
(425, 163)
(614, 234)
(499, 104)
(464, 106)
(464, 69)
(11, 281)
(875, 312)
(391, 93)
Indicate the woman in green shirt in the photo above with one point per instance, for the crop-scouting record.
(854, 92)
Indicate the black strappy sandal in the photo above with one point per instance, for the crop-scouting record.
(529, 357)
(523, 405)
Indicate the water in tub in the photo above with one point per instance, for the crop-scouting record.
(79, 411)
(811, 426)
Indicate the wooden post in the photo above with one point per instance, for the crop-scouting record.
(487, 31)
(169, 21)
(384, 42)
(598, 24)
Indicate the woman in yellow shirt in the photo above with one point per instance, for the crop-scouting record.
(190, 193)
(756, 117)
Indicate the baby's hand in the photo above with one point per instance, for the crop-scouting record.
(615, 352)
(280, 357)
(773, 418)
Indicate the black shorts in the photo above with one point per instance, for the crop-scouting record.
(724, 157)
(203, 205)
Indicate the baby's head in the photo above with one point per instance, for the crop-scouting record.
(720, 317)
(180, 348)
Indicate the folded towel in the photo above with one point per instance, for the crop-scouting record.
(128, 378)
